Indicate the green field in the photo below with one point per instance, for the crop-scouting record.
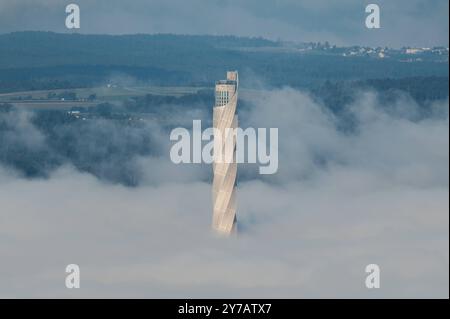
(111, 94)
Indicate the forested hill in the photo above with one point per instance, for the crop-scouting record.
(45, 60)
(45, 49)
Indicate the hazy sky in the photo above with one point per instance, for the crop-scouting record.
(403, 22)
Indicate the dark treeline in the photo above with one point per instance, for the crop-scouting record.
(335, 95)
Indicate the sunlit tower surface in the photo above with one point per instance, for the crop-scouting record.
(224, 180)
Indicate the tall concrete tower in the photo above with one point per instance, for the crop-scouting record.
(224, 181)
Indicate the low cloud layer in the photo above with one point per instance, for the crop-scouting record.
(342, 199)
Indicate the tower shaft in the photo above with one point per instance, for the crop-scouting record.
(224, 166)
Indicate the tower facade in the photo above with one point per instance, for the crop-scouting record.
(224, 166)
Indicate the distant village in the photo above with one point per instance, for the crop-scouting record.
(405, 54)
